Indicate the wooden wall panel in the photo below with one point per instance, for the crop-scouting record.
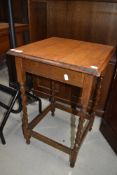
(37, 19)
(93, 20)
(104, 23)
(79, 17)
(89, 21)
(57, 19)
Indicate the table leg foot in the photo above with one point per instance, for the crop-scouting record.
(26, 134)
(72, 165)
(73, 157)
(53, 113)
(28, 141)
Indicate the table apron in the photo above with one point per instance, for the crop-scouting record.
(53, 72)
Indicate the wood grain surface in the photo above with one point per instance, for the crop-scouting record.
(77, 55)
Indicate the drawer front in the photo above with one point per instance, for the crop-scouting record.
(54, 72)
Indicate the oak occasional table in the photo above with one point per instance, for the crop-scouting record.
(73, 62)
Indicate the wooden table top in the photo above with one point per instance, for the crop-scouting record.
(87, 57)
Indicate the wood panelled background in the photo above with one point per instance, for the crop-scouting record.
(19, 10)
(37, 12)
(94, 21)
(89, 21)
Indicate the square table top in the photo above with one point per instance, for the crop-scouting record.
(87, 57)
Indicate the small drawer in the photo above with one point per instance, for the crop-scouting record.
(53, 72)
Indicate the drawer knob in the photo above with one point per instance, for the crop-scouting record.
(66, 78)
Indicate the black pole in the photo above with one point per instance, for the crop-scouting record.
(13, 44)
(12, 35)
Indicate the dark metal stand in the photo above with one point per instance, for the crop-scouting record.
(15, 93)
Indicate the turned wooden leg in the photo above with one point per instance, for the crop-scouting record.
(73, 121)
(21, 75)
(76, 147)
(92, 121)
(26, 131)
(95, 100)
(85, 97)
(53, 99)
